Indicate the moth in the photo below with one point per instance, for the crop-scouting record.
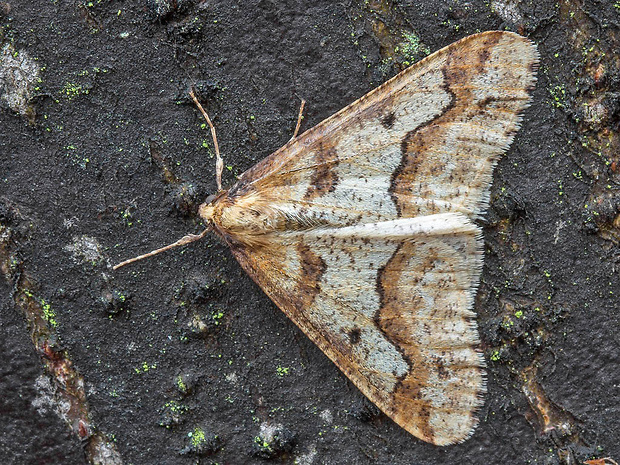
(362, 229)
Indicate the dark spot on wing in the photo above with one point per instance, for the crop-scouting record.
(388, 120)
(355, 335)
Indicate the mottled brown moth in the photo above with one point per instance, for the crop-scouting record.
(362, 228)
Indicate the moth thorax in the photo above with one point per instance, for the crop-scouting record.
(244, 216)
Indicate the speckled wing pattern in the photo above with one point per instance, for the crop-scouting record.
(361, 229)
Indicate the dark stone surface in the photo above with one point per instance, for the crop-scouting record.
(115, 138)
(30, 431)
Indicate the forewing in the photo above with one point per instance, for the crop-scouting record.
(390, 304)
(424, 142)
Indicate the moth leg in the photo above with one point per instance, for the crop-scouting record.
(219, 163)
(300, 116)
(184, 240)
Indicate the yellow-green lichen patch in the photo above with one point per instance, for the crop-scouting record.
(81, 83)
(399, 45)
(181, 385)
(411, 48)
(201, 442)
(197, 437)
(217, 316)
(507, 322)
(47, 312)
(263, 445)
(145, 367)
(273, 440)
(91, 4)
(172, 414)
(114, 301)
(128, 217)
(72, 90)
(558, 96)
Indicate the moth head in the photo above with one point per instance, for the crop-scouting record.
(206, 211)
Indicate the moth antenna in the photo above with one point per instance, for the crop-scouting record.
(300, 116)
(184, 240)
(219, 163)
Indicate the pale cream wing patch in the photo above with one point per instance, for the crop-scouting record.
(424, 142)
(390, 304)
